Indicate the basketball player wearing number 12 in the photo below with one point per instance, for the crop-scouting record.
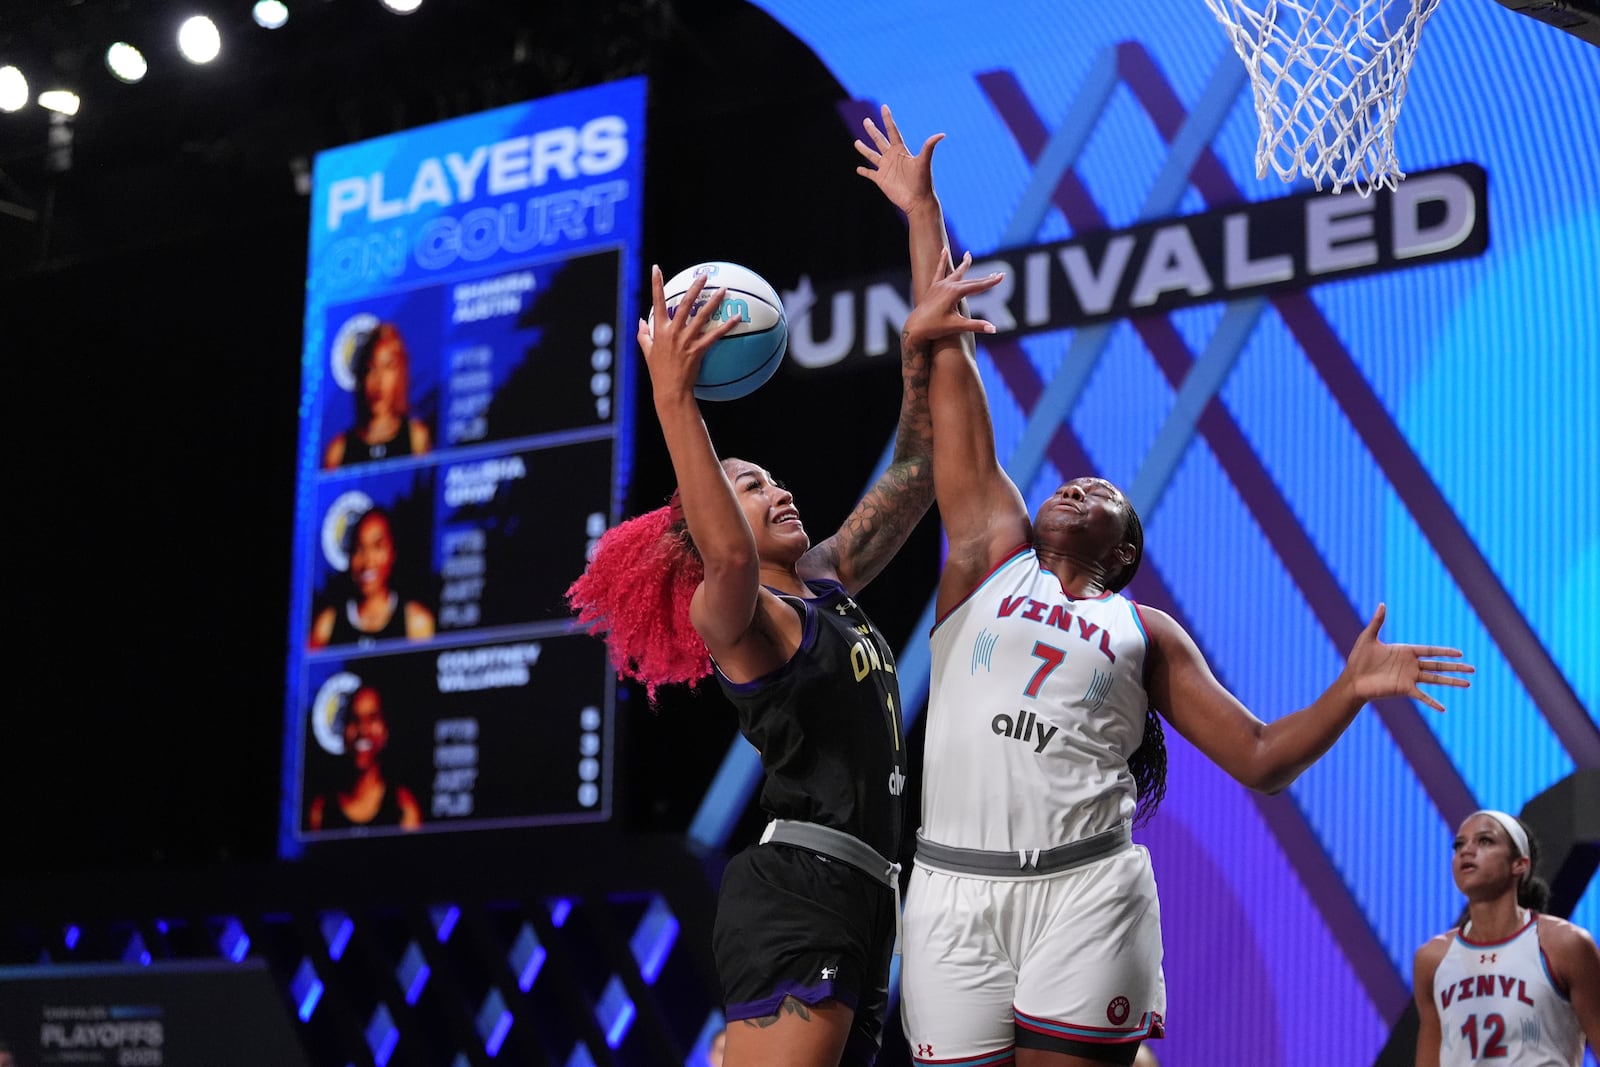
(1032, 927)
(1508, 985)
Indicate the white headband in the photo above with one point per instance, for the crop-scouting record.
(1513, 829)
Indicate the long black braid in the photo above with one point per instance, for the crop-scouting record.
(1148, 764)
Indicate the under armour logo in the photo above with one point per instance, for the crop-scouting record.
(924, 1050)
(1488, 957)
(829, 972)
(845, 605)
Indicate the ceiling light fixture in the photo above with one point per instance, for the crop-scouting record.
(13, 89)
(199, 40)
(61, 101)
(270, 14)
(126, 63)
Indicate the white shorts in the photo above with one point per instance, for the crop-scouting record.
(1075, 955)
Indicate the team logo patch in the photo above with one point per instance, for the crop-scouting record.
(1117, 1010)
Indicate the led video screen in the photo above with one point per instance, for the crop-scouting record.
(464, 436)
(1302, 442)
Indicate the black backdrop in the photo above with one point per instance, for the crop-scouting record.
(150, 316)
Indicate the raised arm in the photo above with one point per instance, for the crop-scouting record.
(984, 516)
(726, 602)
(882, 520)
(891, 509)
(1269, 756)
(907, 181)
(983, 513)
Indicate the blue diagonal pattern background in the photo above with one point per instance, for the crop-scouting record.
(1421, 438)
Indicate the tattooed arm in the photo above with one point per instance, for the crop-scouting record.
(883, 519)
(894, 505)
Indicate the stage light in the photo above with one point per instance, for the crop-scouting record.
(58, 142)
(13, 89)
(61, 101)
(402, 7)
(126, 62)
(270, 14)
(300, 171)
(199, 40)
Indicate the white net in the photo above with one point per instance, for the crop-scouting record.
(1329, 77)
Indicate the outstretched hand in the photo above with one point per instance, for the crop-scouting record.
(675, 345)
(1376, 670)
(941, 312)
(906, 179)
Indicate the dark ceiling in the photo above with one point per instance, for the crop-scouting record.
(191, 145)
(151, 295)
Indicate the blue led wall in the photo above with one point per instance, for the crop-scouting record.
(1424, 436)
(478, 275)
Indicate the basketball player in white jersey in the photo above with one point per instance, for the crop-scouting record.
(1032, 928)
(1508, 985)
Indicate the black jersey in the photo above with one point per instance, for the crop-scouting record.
(828, 724)
(346, 632)
(389, 813)
(358, 451)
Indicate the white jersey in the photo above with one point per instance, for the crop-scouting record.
(1037, 701)
(1497, 1002)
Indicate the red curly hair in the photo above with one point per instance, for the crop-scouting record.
(636, 592)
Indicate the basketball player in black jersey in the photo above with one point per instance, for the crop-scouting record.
(804, 931)
(727, 575)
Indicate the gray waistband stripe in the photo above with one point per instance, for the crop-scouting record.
(846, 848)
(835, 844)
(1024, 862)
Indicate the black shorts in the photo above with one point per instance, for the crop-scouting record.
(791, 923)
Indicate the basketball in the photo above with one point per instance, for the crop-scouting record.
(741, 362)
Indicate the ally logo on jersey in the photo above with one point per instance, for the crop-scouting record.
(1026, 728)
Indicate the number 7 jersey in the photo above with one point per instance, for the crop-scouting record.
(1036, 702)
(1497, 1004)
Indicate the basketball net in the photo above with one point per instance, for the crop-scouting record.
(1329, 77)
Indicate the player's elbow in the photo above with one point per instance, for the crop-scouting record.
(731, 554)
(732, 566)
(1258, 782)
(1265, 775)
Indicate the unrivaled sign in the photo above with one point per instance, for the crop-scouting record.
(1245, 250)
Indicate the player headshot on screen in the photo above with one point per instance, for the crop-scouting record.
(371, 608)
(384, 427)
(366, 797)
